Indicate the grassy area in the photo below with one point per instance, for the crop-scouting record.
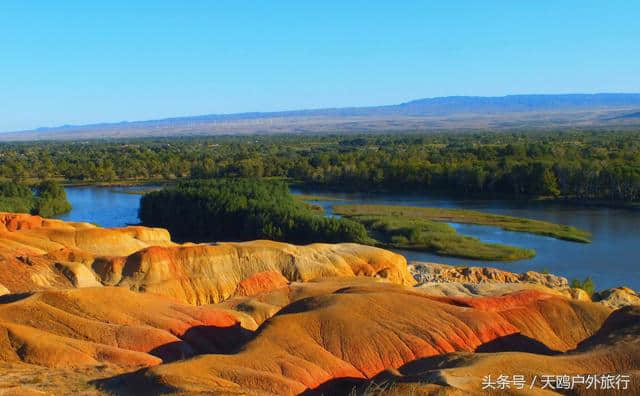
(508, 223)
(306, 197)
(117, 183)
(317, 209)
(140, 191)
(440, 238)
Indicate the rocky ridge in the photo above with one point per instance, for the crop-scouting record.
(452, 280)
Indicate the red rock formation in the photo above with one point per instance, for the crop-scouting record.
(360, 331)
(19, 221)
(614, 348)
(259, 283)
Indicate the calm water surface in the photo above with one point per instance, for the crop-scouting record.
(612, 259)
(104, 206)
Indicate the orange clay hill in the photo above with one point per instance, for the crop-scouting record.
(88, 310)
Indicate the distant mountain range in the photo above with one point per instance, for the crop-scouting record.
(442, 113)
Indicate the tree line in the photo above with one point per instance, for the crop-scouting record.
(586, 165)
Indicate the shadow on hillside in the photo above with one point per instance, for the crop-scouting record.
(132, 383)
(200, 340)
(516, 343)
(427, 370)
(9, 298)
(197, 340)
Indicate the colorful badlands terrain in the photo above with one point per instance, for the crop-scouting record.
(88, 310)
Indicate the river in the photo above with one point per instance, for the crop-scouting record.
(612, 259)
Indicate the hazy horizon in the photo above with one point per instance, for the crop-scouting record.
(179, 116)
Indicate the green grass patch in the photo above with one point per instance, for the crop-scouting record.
(140, 191)
(440, 238)
(317, 209)
(507, 223)
(306, 197)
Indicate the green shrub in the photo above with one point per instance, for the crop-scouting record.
(16, 205)
(50, 199)
(587, 285)
(399, 240)
(15, 197)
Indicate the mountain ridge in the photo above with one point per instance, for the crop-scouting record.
(447, 112)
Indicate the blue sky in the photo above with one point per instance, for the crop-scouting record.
(75, 62)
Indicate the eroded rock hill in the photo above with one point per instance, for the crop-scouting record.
(39, 254)
(126, 311)
(359, 331)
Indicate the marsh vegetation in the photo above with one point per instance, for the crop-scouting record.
(507, 223)
(415, 233)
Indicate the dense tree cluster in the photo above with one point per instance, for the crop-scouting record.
(45, 199)
(242, 209)
(586, 165)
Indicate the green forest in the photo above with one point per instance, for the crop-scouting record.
(590, 165)
(242, 209)
(46, 199)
